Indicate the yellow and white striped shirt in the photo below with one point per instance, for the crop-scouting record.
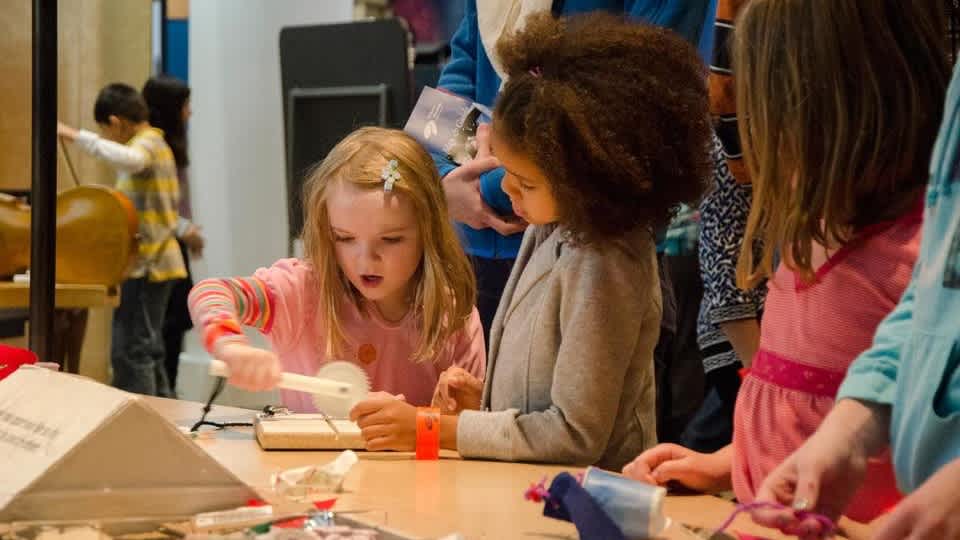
(147, 174)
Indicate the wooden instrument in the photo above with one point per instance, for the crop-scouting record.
(96, 235)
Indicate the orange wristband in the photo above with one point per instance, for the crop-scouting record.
(428, 433)
(219, 329)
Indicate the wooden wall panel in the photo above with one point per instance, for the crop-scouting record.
(15, 91)
(99, 41)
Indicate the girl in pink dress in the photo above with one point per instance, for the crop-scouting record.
(838, 171)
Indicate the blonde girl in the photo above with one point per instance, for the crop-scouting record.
(384, 282)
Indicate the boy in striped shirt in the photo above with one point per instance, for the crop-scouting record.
(147, 175)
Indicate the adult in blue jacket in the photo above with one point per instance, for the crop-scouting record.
(490, 230)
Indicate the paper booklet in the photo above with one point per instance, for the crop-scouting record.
(447, 123)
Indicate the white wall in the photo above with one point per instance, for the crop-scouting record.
(236, 133)
(237, 174)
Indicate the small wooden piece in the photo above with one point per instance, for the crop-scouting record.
(307, 432)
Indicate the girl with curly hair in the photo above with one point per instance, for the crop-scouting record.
(602, 129)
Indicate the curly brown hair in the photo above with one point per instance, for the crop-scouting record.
(614, 112)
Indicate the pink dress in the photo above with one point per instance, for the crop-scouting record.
(282, 302)
(810, 335)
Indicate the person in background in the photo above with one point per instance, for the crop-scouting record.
(841, 212)
(602, 129)
(147, 175)
(168, 100)
(488, 226)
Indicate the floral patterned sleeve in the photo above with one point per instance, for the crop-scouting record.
(723, 219)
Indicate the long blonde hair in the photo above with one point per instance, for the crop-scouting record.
(840, 101)
(446, 289)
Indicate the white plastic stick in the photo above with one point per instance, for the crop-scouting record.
(294, 381)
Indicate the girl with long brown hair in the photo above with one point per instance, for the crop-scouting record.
(841, 101)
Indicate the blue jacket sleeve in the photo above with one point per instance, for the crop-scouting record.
(873, 375)
(460, 74)
(692, 19)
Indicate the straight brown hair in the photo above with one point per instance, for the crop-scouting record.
(840, 102)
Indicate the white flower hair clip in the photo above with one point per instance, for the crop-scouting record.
(390, 175)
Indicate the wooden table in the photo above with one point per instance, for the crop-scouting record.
(72, 303)
(67, 295)
(479, 499)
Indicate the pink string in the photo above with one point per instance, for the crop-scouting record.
(827, 524)
(537, 492)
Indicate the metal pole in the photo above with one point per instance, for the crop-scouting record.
(43, 223)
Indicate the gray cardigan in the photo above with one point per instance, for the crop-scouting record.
(570, 373)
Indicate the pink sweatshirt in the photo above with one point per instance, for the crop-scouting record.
(282, 303)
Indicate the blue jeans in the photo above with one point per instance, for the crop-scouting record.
(137, 350)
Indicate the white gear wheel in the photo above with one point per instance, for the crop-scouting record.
(346, 372)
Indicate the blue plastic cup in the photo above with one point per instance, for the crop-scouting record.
(637, 508)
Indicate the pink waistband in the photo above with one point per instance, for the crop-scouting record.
(778, 370)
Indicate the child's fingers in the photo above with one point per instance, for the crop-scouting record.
(638, 470)
(379, 444)
(477, 166)
(483, 141)
(451, 405)
(464, 381)
(778, 488)
(506, 227)
(662, 453)
(898, 525)
(376, 431)
(437, 399)
(361, 411)
(679, 470)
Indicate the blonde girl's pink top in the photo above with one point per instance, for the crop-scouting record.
(282, 303)
(809, 336)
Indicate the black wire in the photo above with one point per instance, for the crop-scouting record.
(66, 155)
(217, 389)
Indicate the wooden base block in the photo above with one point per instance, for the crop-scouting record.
(307, 432)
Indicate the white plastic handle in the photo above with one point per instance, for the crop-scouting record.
(295, 381)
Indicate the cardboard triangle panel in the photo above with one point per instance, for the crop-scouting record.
(71, 448)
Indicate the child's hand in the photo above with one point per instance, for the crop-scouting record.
(251, 368)
(66, 132)
(457, 390)
(386, 423)
(931, 512)
(194, 240)
(821, 476)
(665, 462)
